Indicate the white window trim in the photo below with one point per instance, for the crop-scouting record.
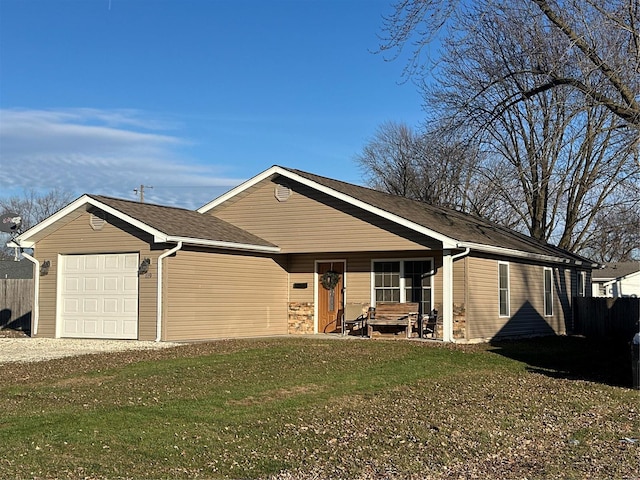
(508, 315)
(402, 286)
(544, 291)
(582, 283)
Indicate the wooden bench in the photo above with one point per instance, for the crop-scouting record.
(394, 314)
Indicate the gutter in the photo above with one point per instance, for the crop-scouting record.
(527, 255)
(159, 290)
(220, 244)
(36, 294)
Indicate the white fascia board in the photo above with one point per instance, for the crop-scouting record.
(224, 245)
(23, 239)
(447, 242)
(520, 254)
(240, 188)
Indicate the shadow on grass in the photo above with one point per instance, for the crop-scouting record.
(575, 358)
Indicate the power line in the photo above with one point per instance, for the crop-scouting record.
(140, 191)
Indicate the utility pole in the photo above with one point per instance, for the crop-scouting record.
(140, 191)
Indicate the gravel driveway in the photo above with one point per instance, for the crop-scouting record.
(27, 349)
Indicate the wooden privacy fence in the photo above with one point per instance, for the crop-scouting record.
(606, 317)
(16, 303)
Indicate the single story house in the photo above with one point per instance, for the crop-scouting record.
(619, 279)
(255, 261)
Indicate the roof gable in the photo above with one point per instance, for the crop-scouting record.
(165, 224)
(456, 230)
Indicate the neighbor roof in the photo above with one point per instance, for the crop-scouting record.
(455, 229)
(12, 269)
(615, 270)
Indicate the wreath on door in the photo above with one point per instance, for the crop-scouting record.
(330, 279)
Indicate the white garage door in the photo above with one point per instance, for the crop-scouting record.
(99, 296)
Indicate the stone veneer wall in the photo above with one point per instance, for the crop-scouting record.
(459, 321)
(300, 318)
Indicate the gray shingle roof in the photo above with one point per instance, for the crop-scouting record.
(180, 222)
(451, 223)
(12, 269)
(615, 270)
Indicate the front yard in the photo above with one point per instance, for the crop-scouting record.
(325, 408)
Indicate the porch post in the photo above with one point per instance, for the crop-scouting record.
(447, 296)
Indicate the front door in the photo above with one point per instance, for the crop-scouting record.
(330, 286)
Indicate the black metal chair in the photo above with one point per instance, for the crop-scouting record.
(430, 324)
(353, 318)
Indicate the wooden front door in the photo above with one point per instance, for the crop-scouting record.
(330, 300)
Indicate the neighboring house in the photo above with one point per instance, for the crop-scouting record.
(617, 280)
(254, 262)
(10, 269)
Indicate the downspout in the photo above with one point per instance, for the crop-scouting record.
(159, 304)
(36, 294)
(447, 293)
(461, 254)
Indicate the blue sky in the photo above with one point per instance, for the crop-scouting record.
(191, 97)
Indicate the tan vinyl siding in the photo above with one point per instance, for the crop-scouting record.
(459, 281)
(358, 273)
(526, 292)
(77, 237)
(310, 221)
(222, 295)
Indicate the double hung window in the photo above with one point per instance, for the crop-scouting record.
(503, 289)
(582, 284)
(548, 292)
(403, 281)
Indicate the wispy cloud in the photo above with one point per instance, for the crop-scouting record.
(102, 151)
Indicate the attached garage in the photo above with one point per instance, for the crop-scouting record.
(98, 296)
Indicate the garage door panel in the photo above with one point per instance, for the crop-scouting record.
(70, 305)
(99, 297)
(110, 305)
(109, 326)
(130, 305)
(112, 262)
(91, 263)
(131, 263)
(110, 284)
(71, 285)
(89, 305)
(91, 284)
(130, 285)
(70, 327)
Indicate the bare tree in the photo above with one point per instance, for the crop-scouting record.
(32, 207)
(597, 46)
(433, 167)
(553, 160)
(616, 237)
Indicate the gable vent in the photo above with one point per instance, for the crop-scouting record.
(282, 193)
(97, 221)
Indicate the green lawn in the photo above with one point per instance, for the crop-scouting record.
(325, 408)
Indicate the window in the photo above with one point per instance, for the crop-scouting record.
(403, 281)
(582, 284)
(417, 283)
(548, 292)
(387, 281)
(503, 288)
